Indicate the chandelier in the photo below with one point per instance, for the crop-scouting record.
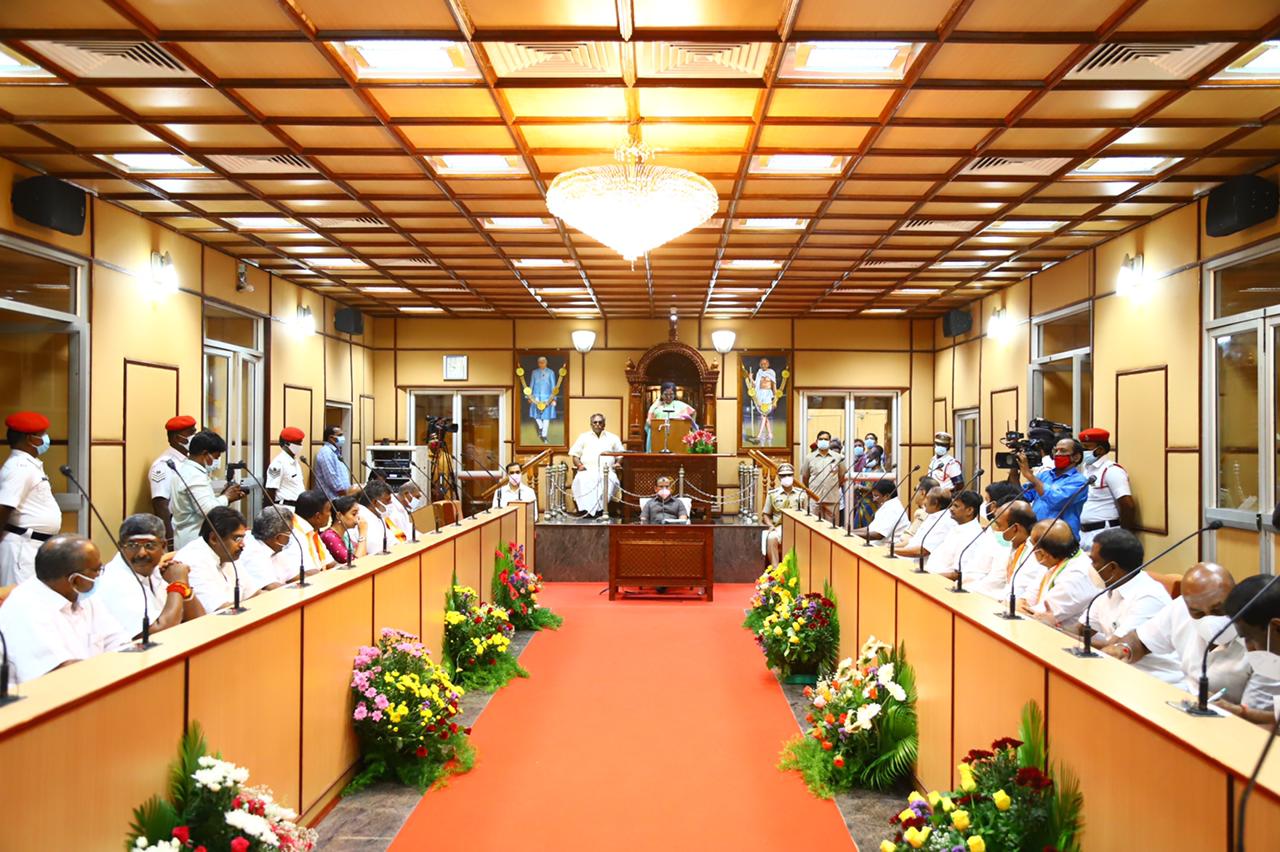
(632, 206)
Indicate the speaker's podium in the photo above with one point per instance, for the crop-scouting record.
(667, 436)
(639, 472)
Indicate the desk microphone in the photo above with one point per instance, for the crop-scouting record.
(1088, 631)
(894, 532)
(5, 697)
(924, 538)
(826, 475)
(1012, 614)
(236, 609)
(302, 552)
(1201, 707)
(368, 501)
(427, 493)
(145, 635)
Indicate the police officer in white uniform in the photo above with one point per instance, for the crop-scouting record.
(179, 430)
(29, 514)
(1110, 501)
(944, 468)
(284, 476)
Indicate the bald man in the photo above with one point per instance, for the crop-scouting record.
(1172, 645)
(1068, 582)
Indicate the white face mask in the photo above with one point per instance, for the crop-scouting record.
(1209, 625)
(786, 481)
(82, 597)
(824, 444)
(417, 503)
(513, 478)
(215, 464)
(1265, 663)
(295, 449)
(664, 493)
(939, 450)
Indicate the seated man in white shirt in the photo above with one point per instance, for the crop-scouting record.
(1114, 554)
(514, 490)
(944, 560)
(890, 518)
(267, 560)
(1255, 606)
(407, 500)
(383, 531)
(1009, 561)
(51, 619)
(1067, 584)
(212, 560)
(933, 530)
(312, 514)
(1171, 645)
(147, 584)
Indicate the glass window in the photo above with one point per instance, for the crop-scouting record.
(824, 413)
(226, 326)
(1063, 333)
(873, 414)
(1236, 419)
(37, 281)
(1250, 286)
(966, 438)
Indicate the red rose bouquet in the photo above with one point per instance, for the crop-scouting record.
(515, 589)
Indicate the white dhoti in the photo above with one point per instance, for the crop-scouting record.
(17, 558)
(588, 490)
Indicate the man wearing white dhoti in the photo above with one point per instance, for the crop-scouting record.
(594, 466)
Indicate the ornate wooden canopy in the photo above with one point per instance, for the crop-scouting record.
(672, 361)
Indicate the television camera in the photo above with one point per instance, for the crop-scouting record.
(1036, 443)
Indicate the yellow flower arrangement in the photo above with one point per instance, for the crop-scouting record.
(960, 819)
(1001, 799)
(977, 844)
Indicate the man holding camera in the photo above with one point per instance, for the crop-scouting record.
(1110, 503)
(1059, 487)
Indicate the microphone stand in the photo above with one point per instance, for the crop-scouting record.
(386, 546)
(492, 478)
(1088, 632)
(5, 697)
(923, 539)
(302, 551)
(826, 475)
(427, 493)
(894, 532)
(1201, 707)
(1012, 614)
(145, 636)
(1253, 782)
(959, 586)
(236, 609)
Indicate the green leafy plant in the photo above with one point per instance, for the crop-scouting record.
(515, 588)
(478, 641)
(777, 584)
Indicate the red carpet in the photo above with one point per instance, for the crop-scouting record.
(645, 726)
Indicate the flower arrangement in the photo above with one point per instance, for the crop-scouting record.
(863, 730)
(1007, 802)
(405, 706)
(477, 638)
(701, 441)
(211, 808)
(515, 589)
(800, 636)
(776, 585)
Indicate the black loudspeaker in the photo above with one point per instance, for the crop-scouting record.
(49, 202)
(1240, 203)
(956, 323)
(348, 321)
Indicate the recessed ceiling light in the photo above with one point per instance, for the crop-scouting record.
(137, 163)
(960, 264)
(420, 309)
(516, 223)
(541, 262)
(751, 263)
(13, 64)
(793, 164)
(384, 290)
(861, 60)
(396, 59)
(920, 291)
(772, 224)
(263, 223)
(1124, 165)
(884, 310)
(476, 164)
(337, 263)
(1025, 225)
(560, 291)
(1260, 63)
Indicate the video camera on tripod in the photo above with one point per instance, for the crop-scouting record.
(1037, 443)
(438, 427)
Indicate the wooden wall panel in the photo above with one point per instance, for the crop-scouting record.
(490, 535)
(150, 398)
(1142, 412)
(467, 559)
(397, 598)
(820, 558)
(801, 543)
(925, 630)
(877, 604)
(844, 582)
(437, 574)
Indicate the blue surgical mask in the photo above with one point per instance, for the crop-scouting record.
(83, 597)
(858, 451)
(823, 444)
(1091, 457)
(43, 446)
(340, 440)
(939, 450)
(871, 442)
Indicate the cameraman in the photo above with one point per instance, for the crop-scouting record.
(1054, 488)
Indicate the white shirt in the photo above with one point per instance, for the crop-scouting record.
(122, 592)
(522, 494)
(889, 515)
(25, 489)
(45, 630)
(933, 530)
(1171, 638)
(186, 512)
(1127, 607)
(943, 560)
(590, 448)
(1067, 592)
(257, 566)
(943, 469)
(402, 519)
(212, 579)
(315, 555)
(160, 476)
(285, 476)
(1001, 562)
(1112, 484)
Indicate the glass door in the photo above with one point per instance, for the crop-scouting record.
(467, 429)
(967, 441)
(850, 415)
(232, 408)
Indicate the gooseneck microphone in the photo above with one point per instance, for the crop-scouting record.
(427, 494)
(302, 552)
(925, 537)
(823, 480)
(5, 697)
(1201, 707)
(386, 534)
(959, 586)
(1087, 632)
(1012, 614)
(1253, 782)
(236, 609)
(893, 533)
(145, 635)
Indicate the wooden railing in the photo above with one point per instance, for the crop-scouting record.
(530, 468)
(770, 466)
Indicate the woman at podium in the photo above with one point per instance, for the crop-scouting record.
(664, 409)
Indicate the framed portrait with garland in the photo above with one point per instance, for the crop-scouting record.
(542, 399)
(764, 401)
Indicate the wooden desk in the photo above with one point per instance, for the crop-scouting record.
(639, 474)
(1110, 723)
(270, 687)
(653, 555)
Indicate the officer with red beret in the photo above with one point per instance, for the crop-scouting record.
(179, 429)
(29, 514)
(1110, 502)
(284, 477)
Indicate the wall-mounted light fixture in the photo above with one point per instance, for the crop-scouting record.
(1000, 324)
(303, 323)
(1132, 279)
(164, 275)
(583, 339)
(243, 284)
(723, 339)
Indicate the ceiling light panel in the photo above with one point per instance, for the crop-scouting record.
(798, 164)
(153, 163)
(394, 59)
(1128, 166)
(848, 60)
(1261, 64)
(476, 165)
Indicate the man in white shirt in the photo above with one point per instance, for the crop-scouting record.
(890, 518)
(266, 560)
(1110, 501)
(310, 517)
(284, 477)
(944, 467)
(934, 528)
(1011, 536)
(212, 560)
(142, 582)
(179, 430)
(407, 500)
(1132, 603)
(945, 560)
(1255, 606)
(51, 619)
(595, 483)
(29, 514)
(193, 493)
(381, 528)
(1067, 584)
(514, 490)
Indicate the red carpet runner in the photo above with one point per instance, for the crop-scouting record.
(645, 726)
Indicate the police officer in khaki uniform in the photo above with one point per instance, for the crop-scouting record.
(785, 496)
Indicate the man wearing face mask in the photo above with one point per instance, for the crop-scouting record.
(1110, 503)
(408, 499)
(192, 500)
(220, 543)
(1053, 489)
(514, 490)
(944, 467)
(890, 514)
(822, 471)
(1137, 600)
(663, 507)
(1172, 644)
(328, 471)
(284, 477)
(267, 559)
(785, 496)
(164, 582)
(29, 514)
(51, 619)
(1011, 532)
(1067, 583)
(179, 431)
(1259, 627)
(376, 509)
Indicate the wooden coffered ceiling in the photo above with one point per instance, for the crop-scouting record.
(974, 142)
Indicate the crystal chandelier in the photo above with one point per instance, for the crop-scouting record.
(633, 206)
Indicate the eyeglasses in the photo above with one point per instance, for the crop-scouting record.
(597, 422)
(151, 546)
